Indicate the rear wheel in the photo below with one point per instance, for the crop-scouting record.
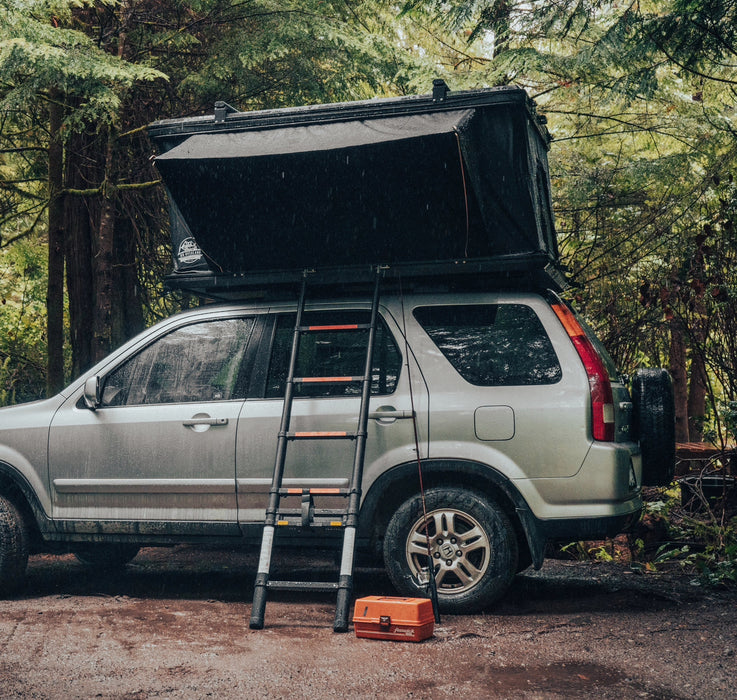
(473, 549)
(655, 423)
(106, 556)
(13, 548)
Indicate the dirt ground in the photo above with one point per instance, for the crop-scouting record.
(174, 624)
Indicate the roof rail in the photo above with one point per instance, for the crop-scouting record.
(534, 271)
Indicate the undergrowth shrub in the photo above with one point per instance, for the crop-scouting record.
(690, 525)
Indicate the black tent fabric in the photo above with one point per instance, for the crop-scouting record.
(444, 185)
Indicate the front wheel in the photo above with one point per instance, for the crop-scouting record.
(472, 547)
(13, 548)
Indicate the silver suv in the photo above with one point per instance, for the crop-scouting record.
(526, 434)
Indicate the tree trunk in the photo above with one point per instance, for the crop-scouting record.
(55, 288)
(697, 397)
(128, 299)
(103, 268)
(699, 333)
(677, 369)
(79, 253)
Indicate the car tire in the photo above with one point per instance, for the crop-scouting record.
(655, 425)
(472, 543)
(13, 548)
(106, 556)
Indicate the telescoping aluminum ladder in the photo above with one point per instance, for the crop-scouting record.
(347, 517)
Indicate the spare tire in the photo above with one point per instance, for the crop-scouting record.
(654, 422)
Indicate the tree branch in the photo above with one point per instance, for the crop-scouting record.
(92, 192)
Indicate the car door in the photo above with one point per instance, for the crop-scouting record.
(327, 407)
(161, 445)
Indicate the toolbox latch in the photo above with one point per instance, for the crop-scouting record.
(385, 621)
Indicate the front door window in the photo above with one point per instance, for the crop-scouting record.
(161, 447)
(199, 362)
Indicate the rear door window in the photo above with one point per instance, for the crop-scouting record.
(333, 353)
(492, 344)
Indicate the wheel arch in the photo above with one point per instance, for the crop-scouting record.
(15, 487)
(393, 487)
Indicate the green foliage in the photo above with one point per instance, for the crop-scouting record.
(729, 417)
(698, 35)
(40, 56)
(699, 538)
(702, 537)
(596, 551)
(270, 53)
(713, 557)
(22, 322)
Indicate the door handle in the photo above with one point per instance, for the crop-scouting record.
(204, 421)
(389, 413)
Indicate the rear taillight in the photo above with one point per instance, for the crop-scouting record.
(602, 401)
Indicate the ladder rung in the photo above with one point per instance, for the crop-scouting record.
(321, 435)
(335, 327)
(327, 586)
(318, 513)
(326, 380)
(317, 521)
(321, 491)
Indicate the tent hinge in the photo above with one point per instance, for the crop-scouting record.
(222, 109)
(440, 90)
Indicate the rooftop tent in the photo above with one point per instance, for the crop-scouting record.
(386, 181)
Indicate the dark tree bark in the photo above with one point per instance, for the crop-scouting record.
(79, 211)
(127, 307)
(677, 368)
(55, 288)
(697, 396)
(102, 244)
(699, 333)
(103, 268)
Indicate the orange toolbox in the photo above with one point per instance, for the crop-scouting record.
(400, 619)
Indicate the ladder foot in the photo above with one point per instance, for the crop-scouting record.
(343, 604)
(258, 607)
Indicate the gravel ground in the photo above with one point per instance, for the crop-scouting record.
(174, 624)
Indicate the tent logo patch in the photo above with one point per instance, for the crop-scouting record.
(189, 251)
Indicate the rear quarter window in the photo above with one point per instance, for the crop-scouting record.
(492, 344)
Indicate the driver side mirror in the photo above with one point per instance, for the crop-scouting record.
(92, 398)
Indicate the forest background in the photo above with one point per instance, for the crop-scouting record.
(640, 98)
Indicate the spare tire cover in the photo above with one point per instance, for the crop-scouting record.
(655, 425)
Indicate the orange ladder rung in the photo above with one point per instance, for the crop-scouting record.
(326, 380)
(335, 327)
(320, 434)
(320, 491)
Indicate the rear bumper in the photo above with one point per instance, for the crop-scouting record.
(572, 529)
(607, 488)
